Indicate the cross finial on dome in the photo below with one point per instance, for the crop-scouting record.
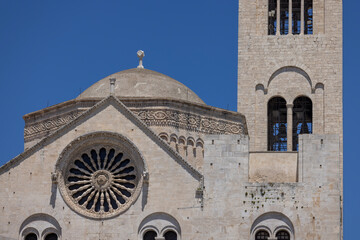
(140, 54)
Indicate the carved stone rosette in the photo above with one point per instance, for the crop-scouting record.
(100, 174)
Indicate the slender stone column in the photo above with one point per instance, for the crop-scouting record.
(289, 126)
(302, 21)
(290, 17)
(278, 17)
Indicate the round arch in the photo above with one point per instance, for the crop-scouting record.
(290, 69)
(161, 223)
(272, 222)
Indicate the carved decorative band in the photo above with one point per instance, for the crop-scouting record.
(173, 118)
(50, 124)
(188, 121)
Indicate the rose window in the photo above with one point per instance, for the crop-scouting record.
(102, 180)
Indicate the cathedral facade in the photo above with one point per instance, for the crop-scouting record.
(139, 156)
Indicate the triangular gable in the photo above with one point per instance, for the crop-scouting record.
(124, 110)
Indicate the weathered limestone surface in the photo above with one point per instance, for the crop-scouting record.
(200, 172)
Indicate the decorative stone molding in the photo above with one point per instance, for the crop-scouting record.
(188, 121)
(100, 174)
(49, 125)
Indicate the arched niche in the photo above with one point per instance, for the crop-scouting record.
(41, 224)
(161, 223)
(289, 82)
(272, 222)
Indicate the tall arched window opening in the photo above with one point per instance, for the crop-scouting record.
(262, 235)
(272, 17)
(308, 16)
(284, 17)
(31, 236)
(277, 124)
(290, 17)
(296, 17)
(302, 119)
(150, 235)
(283, 235)
(170, 235)
(51, 236)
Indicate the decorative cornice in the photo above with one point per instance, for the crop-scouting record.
(34, 130)
(195, 173)
(160, 112)
(189, 121)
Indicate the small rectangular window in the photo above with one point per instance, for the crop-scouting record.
(296, 16)
(308, 17)
(272, 17)
(284, 17)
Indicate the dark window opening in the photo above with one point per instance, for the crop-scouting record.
(283, 235)
(31, 236)
(51, 236)
(150, 235)
(296, 16)
(277, 124)
(284, 17)
(170, 235)
(262, 235)
(308, 17)
(272, 17)
(302, 119)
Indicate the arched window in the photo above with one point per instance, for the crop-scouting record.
(272, 17)
(277, 125)
(296, 17)
(279, 16)
(283, 235)
(51, 236)
(284, 17)
(150, 235)
(170, 235)
(302, 119)
(308, 16)
(31, 236)
(262, 235)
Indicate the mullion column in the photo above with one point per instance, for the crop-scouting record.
(290, 17)
(278, 17)
(302, 21)
(289, 130)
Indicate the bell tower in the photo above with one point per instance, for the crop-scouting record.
(290, 70)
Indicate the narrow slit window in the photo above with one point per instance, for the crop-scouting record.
(308, 17)
(296, 17)
(170, 235)
(283, 235)
(262, 235)
(51, 236)
(277, 124)
(284, 17)
(272, 17)
(302, 119)
(150, 235)
(31, 236)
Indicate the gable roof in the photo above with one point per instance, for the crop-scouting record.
(123, 109)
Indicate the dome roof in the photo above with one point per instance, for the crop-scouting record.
(141, 83)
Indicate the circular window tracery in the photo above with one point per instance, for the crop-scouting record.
(100, 174)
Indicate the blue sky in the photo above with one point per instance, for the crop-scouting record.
(50, 51)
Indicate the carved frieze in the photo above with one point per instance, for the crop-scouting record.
(151, 117)
(188, 121)
(49, 125)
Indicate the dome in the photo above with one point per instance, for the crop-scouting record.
(141, 83)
